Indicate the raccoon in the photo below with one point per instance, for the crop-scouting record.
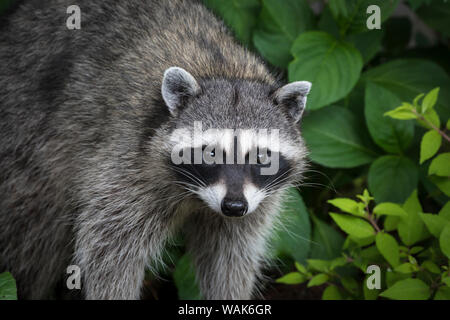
(89, 121)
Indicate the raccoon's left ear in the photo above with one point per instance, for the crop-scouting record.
(178, 85)
(293, 97)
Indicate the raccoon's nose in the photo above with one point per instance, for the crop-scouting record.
(234, 208)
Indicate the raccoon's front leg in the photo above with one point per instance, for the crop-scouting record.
(112, 252)
(228, 254)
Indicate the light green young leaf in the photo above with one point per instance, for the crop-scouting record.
(434, 223)
(444, 240)
(365, 197)
(431, 142)
(432, 117)
(319, 265)
(404, 112)
(347, 205)
(408, 289)
(292, 278)
(443, 184)
(406, 268)
(412, 229)
(317, 280)
(331, 293)
(440, 165)
(416, 100)
(390, 209)
(388, 247)
(391, 223)
(354, 226)
(301, 268)
(430, 100)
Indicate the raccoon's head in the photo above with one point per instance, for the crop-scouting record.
(234, 142)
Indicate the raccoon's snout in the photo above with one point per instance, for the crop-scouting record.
(234, 208)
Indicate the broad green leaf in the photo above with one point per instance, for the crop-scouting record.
(352, 17)
(240, 16)
(292, 278)
(408, 289)
(318, 280)
(293, 237)
(332, 66)
(347, 205)
(388, 247)
(8, 290)
(354, 226)
(408, 78)
(334, 140)
(429, 100)
(389, 209)
(278, 26)
(392, 178)
(326, 241)
(392, 135)
(445, 211)
(431, 142)
(444, 240)
(331, 293)
(440, 165)
(434, 223)
(412, 229)
(185, 279)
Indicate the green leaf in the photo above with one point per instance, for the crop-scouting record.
(326, 241)
(352, 17)
(319, 265)
(318, 280)
(185, 280)
(347, 205)
(436, 16)
(278, 26)
(445, 211)
(301, 268)
(443, 183)
(431, 142)
(392, 178)
(350, 284)
(404, 112)
(446, 280)
(240, 16)
(430, 100)
(406, 268)
(293, 238)
(391, 223)
(391, 134)
(432, 117)
(8, 289)
(337, 143)
(388, 247)
(412, 229)
(444, 240)
(389, 209)
(292, 278)
(410, 77)
(431, 266)
(367, 43)
(434, 223)
(443, 293)
(354, 226)
(408, 289)
(440, 165)
(331, 293)
(332, 66)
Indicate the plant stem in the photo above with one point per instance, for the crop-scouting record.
(442, 133)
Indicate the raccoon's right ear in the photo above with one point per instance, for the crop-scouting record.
(178, 85)
(292, 97)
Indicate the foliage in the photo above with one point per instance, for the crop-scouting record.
(8, 289)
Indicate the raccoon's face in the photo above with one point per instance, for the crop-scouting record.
(235, 142)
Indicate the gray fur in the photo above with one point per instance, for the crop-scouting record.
(84, 150)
